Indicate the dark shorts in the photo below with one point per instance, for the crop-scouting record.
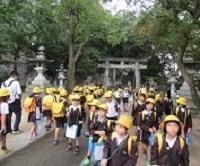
(47, 113)
(112, 118)
(118, 100)
(125, 100)
(59, 122)
(144, 137)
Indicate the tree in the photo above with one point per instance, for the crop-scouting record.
(173, 27)
(85, 21)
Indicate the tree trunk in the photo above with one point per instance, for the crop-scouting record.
(188, 78)
(71, 63)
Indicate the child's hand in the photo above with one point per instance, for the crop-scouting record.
(100, 133)
(189, 130)
(151, 130)
(81, 122)
(104, 162)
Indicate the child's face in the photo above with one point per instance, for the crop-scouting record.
(149, 106)
(142, 98)
(101, 113)
(93, 108)
(120, 129)
(172, 128)
(75, 102)
(108, 99)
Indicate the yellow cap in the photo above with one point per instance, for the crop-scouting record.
(182, 101)
(49, 91)
(92, 88)
(158, 97)
(76, 88)
(37, 90)
(125, 121)
(80, 89)
(63, 92)
(152, 89)
(151, 100)
(89, 98)
(108, 94)
(4, 92)
(74, 96)
(172, 118)
(103, 106)
(95, 102)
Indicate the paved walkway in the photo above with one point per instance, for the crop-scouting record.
(19, 141)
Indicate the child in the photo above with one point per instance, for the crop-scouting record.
(121, 149)
(4, 111)
(113, 108)
(59, 110)
(147, 123)
(184, 114)
(99, 129)
(76, 117)
(47, 107)
(36, 114)
(92, 108)
(138, 106)
(170, 149)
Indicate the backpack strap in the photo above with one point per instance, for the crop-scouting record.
(109, 122)
(177, 111)
(131, 139)
(182, 143)
(4, 83)
(160, 142)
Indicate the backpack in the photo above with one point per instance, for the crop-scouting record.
(160, 142)
(29, 104)
(187, 113)
(131, 139)
(57, 108)
(47, 102)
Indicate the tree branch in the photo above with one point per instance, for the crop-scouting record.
(79, 50)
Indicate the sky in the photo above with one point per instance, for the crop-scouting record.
(117, 5)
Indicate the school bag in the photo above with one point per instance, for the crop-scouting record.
(57, 107)
(131, 139)
(29, 104)
(47, 102)
(161, 140)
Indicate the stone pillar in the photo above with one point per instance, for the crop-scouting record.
(137, 75)
(106, 74)
(172, 81)
(114, 77)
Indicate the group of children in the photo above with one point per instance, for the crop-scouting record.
(164, 136)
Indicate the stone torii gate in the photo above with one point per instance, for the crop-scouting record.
(122, 63)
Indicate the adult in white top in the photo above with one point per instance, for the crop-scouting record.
(13, 85)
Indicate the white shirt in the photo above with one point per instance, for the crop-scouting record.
(120, 139)
(4, 108)
(170, 142)
(126, 94)
(15, 89)
(111, 109)
(117, 94)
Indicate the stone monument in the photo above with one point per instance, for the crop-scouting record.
(39, 79)
(61, 75)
